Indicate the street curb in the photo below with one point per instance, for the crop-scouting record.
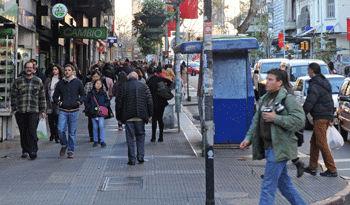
(341, 198)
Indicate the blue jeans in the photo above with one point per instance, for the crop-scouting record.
(100, 123)
(276, 175)
(135, 129)
(70, 119)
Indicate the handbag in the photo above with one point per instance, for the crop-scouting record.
(110, 113)
(164, 91)
(101, 110)
(334, 139)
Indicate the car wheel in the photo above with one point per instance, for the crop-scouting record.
(343, 132)
(193, 73)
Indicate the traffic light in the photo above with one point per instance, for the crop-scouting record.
(302, 45)
(306, 45)
(287, 47)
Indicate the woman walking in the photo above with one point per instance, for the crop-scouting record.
(97, 97)
(159, 103)
(88, 87)
(55, 75)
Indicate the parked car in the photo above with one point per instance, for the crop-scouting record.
(298, 67)
(259, 76)
(343, 110)
(193, 68)
(300, 92)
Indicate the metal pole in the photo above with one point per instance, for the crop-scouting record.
(188, 80)
(207, 101)
(284, 32)
(166, 40)
(177, 68)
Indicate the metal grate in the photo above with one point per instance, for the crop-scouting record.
(122, 183)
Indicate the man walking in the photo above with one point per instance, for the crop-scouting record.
(27, 102)
(319, 104)
(134, 108)
(272, 136)
(69, 95)
(37, 72)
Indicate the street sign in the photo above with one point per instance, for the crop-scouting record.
(59, 11)
(83, 32)
(112, 39)
(120, 45)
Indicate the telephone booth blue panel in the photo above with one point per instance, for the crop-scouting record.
(233, 94)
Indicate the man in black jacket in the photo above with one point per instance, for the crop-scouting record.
(69, 95)
(319, 104)
(134, 108)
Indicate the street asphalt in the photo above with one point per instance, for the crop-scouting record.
(173, 172)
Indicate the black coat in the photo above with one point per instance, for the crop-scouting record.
(69, 93)
(90, 104)
(319, 102)
(134, 100)
(158, 101)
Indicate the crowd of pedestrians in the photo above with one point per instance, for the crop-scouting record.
(61, 91)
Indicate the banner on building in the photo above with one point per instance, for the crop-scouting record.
(189, 9)
(280, 40)
(348, 28)
(83, 32)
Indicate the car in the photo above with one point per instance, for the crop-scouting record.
(259, 76)
(343, 111)
(193, 68)
(300, 93)
(298, 67)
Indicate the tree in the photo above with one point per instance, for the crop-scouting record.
(330, 49)
(253, 9)
(123, 29)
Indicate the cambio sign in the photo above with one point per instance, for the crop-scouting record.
(83, 32)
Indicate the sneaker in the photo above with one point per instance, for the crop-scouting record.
(310, 171)
(95, 144)
(63, 150)
(24, 155)
(140, 160)
(120, 128)
(103, 144)
(160, 139)
(32, 155)
(70, 155)
(327, 173)
(153, 139)
(300, 168)
(131, 163)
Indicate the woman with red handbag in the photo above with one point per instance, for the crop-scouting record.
(95, 107)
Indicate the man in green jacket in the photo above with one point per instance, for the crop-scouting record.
(272, 137)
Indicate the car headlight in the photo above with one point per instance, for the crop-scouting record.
(263, 82)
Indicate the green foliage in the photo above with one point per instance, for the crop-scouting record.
(329, 51)
(153, 7)
(263, 36)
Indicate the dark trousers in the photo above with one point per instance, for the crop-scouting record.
(158, 117)
(53, 121)
(135, 129)
(27, 124)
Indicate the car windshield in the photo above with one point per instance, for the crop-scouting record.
(298, 71)
(335, 83)
(268, 66)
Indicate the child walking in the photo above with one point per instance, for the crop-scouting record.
(95, 98)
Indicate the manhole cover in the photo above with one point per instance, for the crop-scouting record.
(122, 183)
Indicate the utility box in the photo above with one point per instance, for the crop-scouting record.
(233, 94)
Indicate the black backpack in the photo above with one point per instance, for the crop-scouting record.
(300, 133)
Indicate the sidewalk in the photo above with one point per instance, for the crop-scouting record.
(173, 172)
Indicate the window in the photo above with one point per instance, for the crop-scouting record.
(330, 9)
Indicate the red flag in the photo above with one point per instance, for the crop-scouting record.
(189, 9)
(348, 28)
(280, 40)
(172, 26)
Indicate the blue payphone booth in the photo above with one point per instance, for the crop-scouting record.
(233, 94)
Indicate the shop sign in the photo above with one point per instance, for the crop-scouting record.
(83, 32)
(59, 11)
(26, 19)
(7, 32)
(9, 9)
(112, 39)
